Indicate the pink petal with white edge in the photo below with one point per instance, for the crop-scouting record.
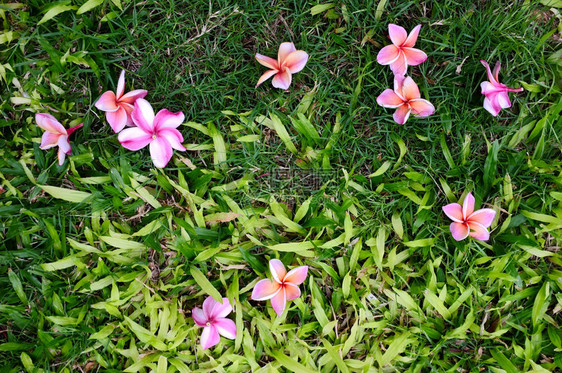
(268, 74)
(282, 80)
(63, 144)
(389, 99)
(490, 107)
(400, 66)
(292, 291)
(49, 123)
(221, 310)
(468, 205)
(478, 231)
(165, 119)
(199, 317)
(120, 85)
(296, 61)
(401, 114)
(268, 62)
(278, 302)
(284, 50)
(48, 140)
(61, 156)
(459, 231)
(412, 37)
(503, 100)
(398, 83)
(134, 138)
(117, 119)
(414, 56)
(225, 327)
(388, 55)
(210, 337)
(421, 107)
(208, 305)
(277, 270)
(454, 212)
(410, 90)
(173, 137)
(143, 115)
(491, 78)
(265, 289)
(398, 34)
(483, 216)
(297, 275)
(107, 102)
(131, 97)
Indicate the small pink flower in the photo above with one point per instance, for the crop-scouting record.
(289, 61)
(400, 53)
(214, 322)
(467, 222)
(284, 288)
(55, 134)
(495, 92)
(406, 99)
(159, 131)
(118, 106)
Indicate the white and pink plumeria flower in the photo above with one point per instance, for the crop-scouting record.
(55, 135)
(406, 99)
(283, 288)
(400, 54)
(467, 222)
(212, 317)
(496, 93)
(289, 61)
(158, 131)
(118, 106)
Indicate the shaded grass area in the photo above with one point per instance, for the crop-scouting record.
(108, 284)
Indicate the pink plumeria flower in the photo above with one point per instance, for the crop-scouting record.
(400, 53)
(157, 130)
(55, 134)
(467, 222)
(406, 99)
(495, 92)
(289, 61)
(214, 322)
(118, 106)
(283, 288)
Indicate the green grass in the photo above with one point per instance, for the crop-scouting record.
(105, 284)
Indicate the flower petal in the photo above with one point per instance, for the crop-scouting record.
(210, 337)
(278, 302)
(173, 137)
(503, 100)
(165, 119)
(468, 206)
(297, 275)
(492, 108)
(161, 152)
(199, 317)
(389, 99)
(208, 305)
(49, 139)
(488, 88)
(225, 327)
(398, 83)
(120, 85)
(292, 291)
(421, 107)
(401, 114)
(414, 56)
(134, 138)
(412, 37)
(400, 66)
(131, 97)
(491, 78)
(265, 289)
(49, 123)
(61, 155)
(63, 144)
(478, 231)
(268, 62)
(107, 102)
(277, 270)
(454, 212)
(483, 216)
(398, 34)
(284, 50)
(282, 79)
(296, 61)
(221, 310)
(459, 231)
(410, 90)
(268, 74)
(117, 119)
(388, 55)
(496, 72)
(143, 115)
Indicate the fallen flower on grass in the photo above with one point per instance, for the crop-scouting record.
(400, 53)
(496, 93)
(406, 99)
(118, 106)
(467, 222)
(159, 131)
(214, 322)
(289, 61)
(283, 288)
(55, 135)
